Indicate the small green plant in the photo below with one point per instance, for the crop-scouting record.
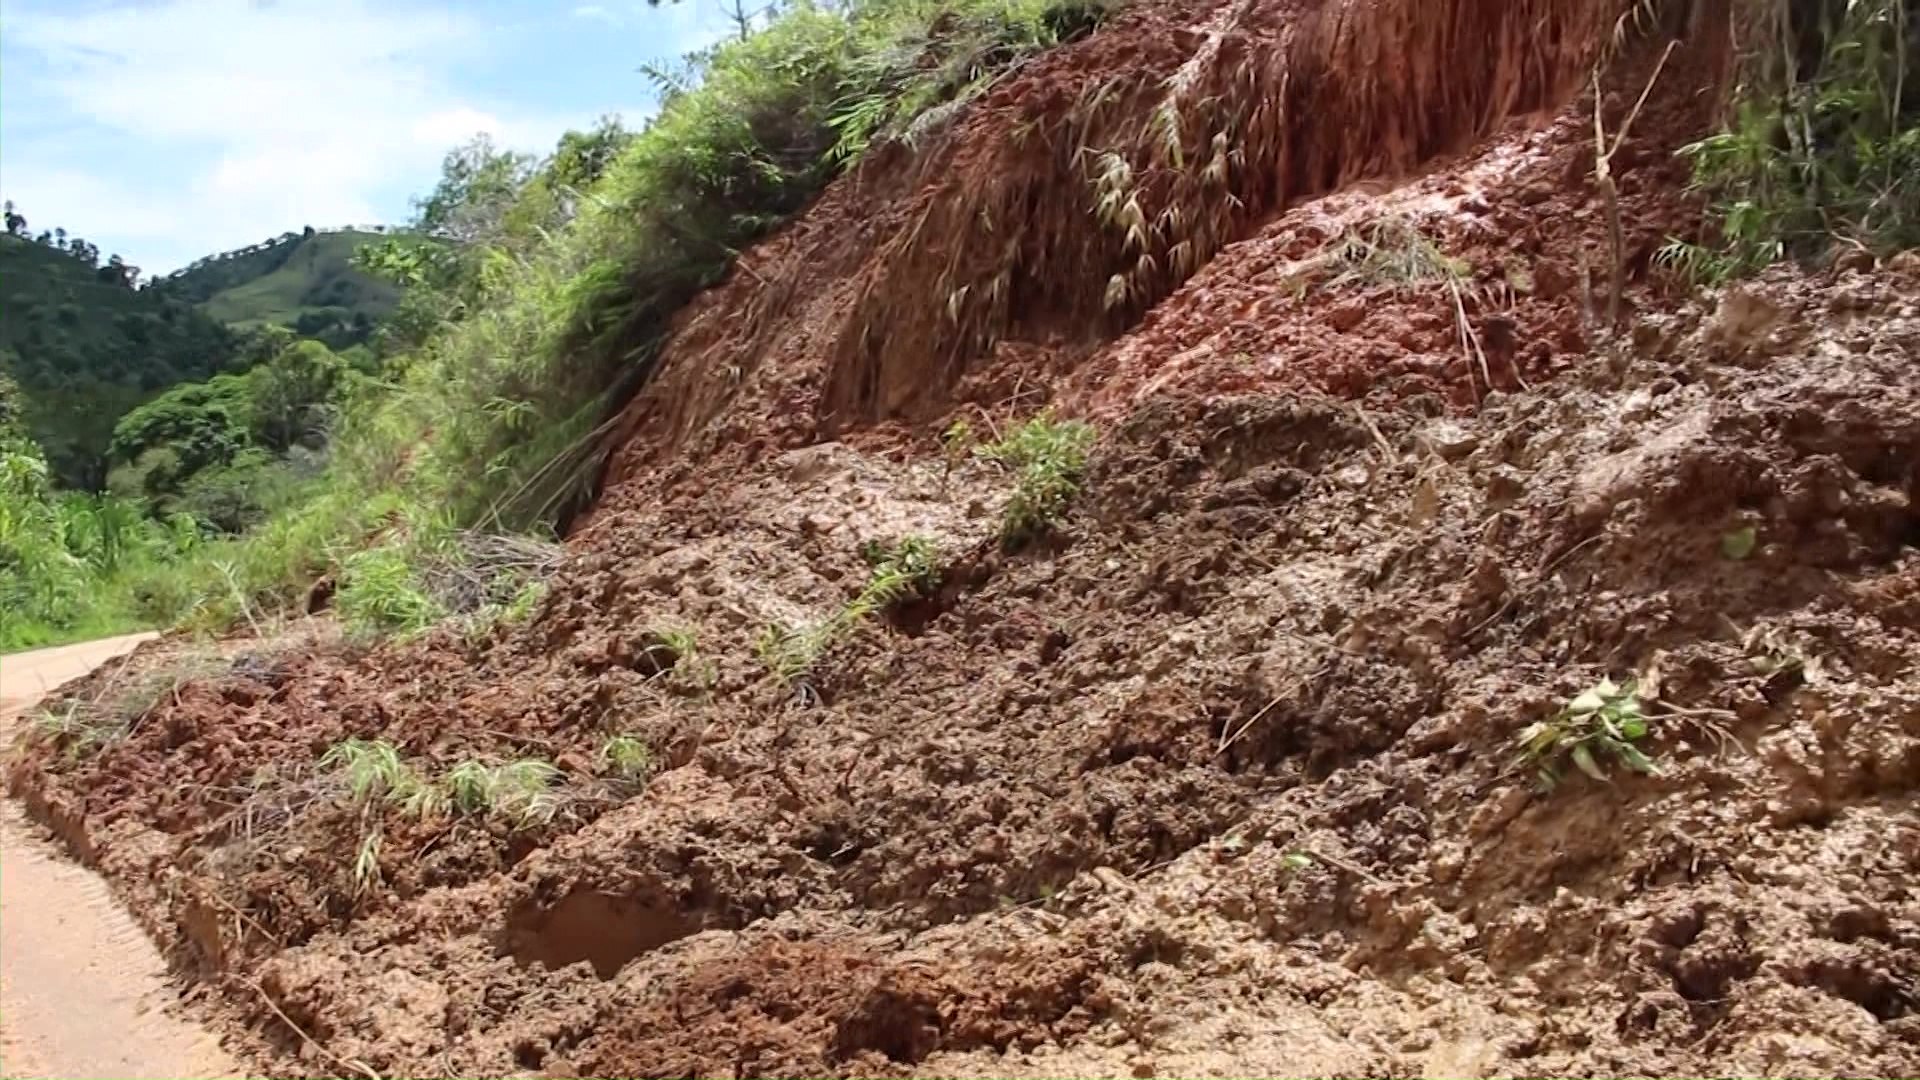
(790, 652)
(670, 648)
(374, 770)
(82, 732)
(627, 758)
(910, 567)
(1739, 543)
(1697, 263)
(956, 443)
(426, 800)
(1601, 725)
(520, 791)
(1049, 457)
(470, 787)
(682, 648)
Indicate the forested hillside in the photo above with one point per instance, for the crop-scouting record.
(86, 345)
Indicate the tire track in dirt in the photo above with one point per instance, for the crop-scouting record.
(82, 990)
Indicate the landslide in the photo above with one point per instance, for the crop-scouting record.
(1218, 776)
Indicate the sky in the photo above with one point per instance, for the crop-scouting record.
(164, 130)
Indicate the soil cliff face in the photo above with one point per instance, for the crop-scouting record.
(1219, 776)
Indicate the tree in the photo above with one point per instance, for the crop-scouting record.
(477, 184)
(291, 396)
(60, 238)
(16, 222)
(118, 272)
(582, 156)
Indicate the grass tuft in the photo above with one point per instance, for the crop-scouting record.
(1048, 457)
(627, 758)
(373, 770)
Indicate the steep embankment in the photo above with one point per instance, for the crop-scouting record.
(1220, 776)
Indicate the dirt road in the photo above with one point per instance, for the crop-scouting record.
(82, 990)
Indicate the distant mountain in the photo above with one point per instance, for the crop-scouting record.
(303, 281)
(85, 346)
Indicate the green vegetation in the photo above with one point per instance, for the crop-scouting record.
(910, 567)
(72, 564)
(84, 348)
(373, 770)
(1823, 148)
(518, 791)
(1048, 457)
(1602, 725)
(379, 595)
(533, 294)
(83, 725)
(627, 758)
(373, 773)
(234, 449)
(308, 284)
(425, 572)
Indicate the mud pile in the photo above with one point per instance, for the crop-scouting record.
(1219, 778)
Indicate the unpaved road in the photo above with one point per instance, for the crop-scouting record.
(82, 990)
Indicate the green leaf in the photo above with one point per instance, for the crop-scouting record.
(1583, 757)
(1633, 727)
(1535, 738)
(1295, 860)
(1739, 543)
(1592, 701)
(1635, 760)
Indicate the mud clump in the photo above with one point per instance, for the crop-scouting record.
(602, 929)
(1217, 778)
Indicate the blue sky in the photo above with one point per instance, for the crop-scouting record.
(164, 130)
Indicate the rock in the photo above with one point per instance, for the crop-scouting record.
(1505, 485)
(1450, 440)
(1347, 315)
(1745, 318)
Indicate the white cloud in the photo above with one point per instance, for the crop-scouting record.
(246, 118)
(595, 11)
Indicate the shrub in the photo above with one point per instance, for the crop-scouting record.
(70, 563)
(1823, 146)
(380, 595)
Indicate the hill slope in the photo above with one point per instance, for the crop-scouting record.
(85, 350)
(306, 283)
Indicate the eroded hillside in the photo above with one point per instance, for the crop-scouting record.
(1418, 676)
